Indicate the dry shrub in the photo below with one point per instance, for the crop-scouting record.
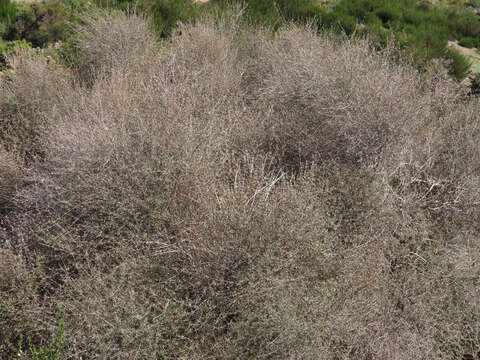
(19, 296)
(108, 40)
(129, 313)
(233, 195)
(12, 270)
(431, 213)
(322, 100)
(35, 90)
(11, 176)
(111, 186)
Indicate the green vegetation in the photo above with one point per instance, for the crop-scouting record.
(8, 47)
(468, 42)
(22, 349)
(460, 66)
(473, 3)
(41, 23)
(233, 192)
(49, 352)
(8, 15)
(45, 23)
(7, 11)
(167, 13)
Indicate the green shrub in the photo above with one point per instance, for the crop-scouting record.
(68, 53)
(52, 351)
(465, 24)
(3, 29)
(388, 13)
(28, 348)
(460, 65)
(346, 23)
(473, 3)
(8, 12)
(9, 48)
(114, 4)
(8, 17)
(42, 23)
(413, 16)
(167, 13)
(372, 19)
(433, 38)
(468, 42)
(275, 13)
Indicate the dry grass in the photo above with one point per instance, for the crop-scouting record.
(231, 195)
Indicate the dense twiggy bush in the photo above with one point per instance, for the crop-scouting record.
(10, 178)
(106, 41)
(26, 100)
(325, 101)
(234, 195)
